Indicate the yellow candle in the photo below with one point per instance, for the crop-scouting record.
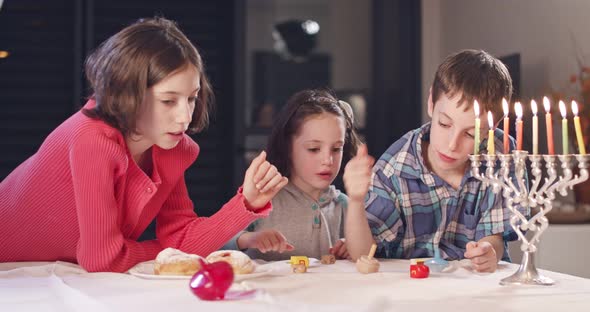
(548, 126)
(491, 150)
(518, 111)
(578, 127)
(477, 125)
(506, 126)
(564, 135)
(535, 128)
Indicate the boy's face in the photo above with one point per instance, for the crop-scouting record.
(451, 135)
(316, 153)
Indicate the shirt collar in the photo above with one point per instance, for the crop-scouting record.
(410, 156)
(325, 197)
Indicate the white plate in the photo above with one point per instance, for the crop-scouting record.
(146, 270)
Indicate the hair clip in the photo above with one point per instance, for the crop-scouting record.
(347, 110)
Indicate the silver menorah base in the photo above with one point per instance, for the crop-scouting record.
(527, 273)
(518, 195)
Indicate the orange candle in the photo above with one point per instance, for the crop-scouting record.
(491, 149)
(578, 127)
(535, 128)
(549, 126)
(506, 126)
(518, 111)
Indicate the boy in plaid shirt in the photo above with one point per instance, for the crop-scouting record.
(420, 195)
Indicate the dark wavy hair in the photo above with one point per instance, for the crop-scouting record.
(133, 60)
(300, 106)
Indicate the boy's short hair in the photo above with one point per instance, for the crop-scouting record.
(136, 58)
(477, 75)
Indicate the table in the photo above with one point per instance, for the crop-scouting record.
(60, 286)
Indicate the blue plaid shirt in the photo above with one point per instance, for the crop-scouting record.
(411, 210)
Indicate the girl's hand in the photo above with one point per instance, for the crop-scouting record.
(357, 174)
(482, 256)
(339, 250)
(265, 241)
(261, 182)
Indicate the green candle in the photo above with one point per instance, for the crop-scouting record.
(564, 136)
(477, 125)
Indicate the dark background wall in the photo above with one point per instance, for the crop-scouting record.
(42, 80)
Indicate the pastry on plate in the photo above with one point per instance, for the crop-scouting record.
(172, 261)
(239, 261)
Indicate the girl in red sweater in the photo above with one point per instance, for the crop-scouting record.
(102, 176)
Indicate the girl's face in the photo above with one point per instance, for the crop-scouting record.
(167, 111)
(317, 153)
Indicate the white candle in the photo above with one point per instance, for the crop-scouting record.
(477, 126)
(491, 149)
(535, 128)
(506, 125)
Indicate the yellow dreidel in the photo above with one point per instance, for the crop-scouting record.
(300, 260)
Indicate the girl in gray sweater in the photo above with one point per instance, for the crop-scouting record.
(308, 141)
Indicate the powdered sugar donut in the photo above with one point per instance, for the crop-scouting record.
(239, 261)
(172, 261)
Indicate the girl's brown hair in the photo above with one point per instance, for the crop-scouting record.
(300, 106)
(133, 60)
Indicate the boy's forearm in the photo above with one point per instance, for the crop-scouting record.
(497, 242)
(356, 230)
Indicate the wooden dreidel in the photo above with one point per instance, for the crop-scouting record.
(368, 264)
(328, 259)
(418, 269)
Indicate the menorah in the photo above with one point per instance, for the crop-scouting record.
(540, 195)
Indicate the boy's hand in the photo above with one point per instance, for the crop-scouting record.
(357, 174)
(482, 256)
(339, 250)
(265, 241)
(261, 182)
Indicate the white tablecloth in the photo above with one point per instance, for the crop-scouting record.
(63, 286)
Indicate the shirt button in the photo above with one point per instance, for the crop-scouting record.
(149, 190)
(314, 207)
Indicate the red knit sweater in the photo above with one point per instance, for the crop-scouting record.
(81, 198)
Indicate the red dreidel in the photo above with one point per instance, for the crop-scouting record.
(418, 269)
(212, 281)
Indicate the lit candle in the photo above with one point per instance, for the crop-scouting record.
(477, 125)
(518, 111)
(549, 126)
(564, 136)
(535, 128)
(506, 125)
(578, 127)
(491, 150)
